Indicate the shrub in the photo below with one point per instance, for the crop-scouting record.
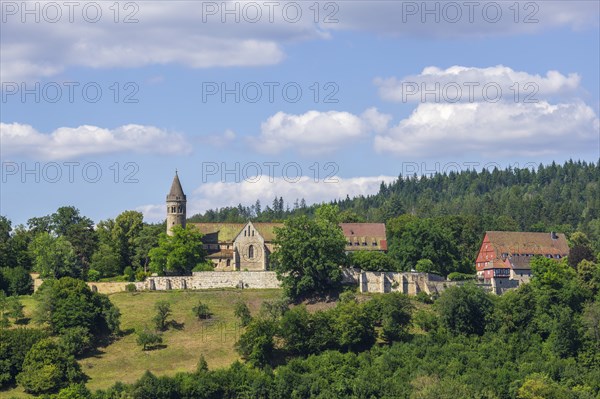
(141, 275)
(48, 367)
(129, 274)
(456, 276)
(17, 280)
(424, 297)
(465, 310)
(204, 267)
(201, 311)
(130, 287)
(93, 275)
(14, 345)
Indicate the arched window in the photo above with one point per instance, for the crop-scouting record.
(251, 252)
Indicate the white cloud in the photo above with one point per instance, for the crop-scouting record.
(67, 142)
(220, 194)
(187, 33)
(316, 132)
(182, 33)
(493, 130)
(444, 19)
(471, 84)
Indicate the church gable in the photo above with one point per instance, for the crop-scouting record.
(250, 250)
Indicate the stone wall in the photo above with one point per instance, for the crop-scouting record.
(205, 280)
(407, 282)
(411, 283)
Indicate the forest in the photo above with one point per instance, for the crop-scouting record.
(541, 340)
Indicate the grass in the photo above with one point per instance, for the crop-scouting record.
(124, 360)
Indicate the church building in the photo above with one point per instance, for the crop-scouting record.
(248, 246)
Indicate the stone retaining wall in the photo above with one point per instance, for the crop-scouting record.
(205, 280)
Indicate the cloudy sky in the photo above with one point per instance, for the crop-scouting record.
(102, 101)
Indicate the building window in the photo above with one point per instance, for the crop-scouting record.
(374, 243)
(228, 262)
(251, 252)
(364, 244)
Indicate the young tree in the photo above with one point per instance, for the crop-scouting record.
(309, 253)
(148, 339)
(201, 311)
(163, 311)
(242, 312)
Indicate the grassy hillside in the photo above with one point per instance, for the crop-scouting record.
(124, 360)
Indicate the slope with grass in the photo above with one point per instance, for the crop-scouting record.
(185, 340)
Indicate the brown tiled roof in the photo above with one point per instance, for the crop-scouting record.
(363, 229)
(365, 233)
(510, 242)
(355, 232)
(222, 254)
(497, 264)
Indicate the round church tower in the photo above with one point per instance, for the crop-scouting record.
(175, 205)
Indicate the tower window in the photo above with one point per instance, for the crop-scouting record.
(251, 252)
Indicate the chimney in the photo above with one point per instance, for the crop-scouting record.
(554, 236)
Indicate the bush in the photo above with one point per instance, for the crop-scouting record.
(141, 275)
(17, 280)
(93, 275)
(48, 367)
(69, 303)
(130, 287)
(393, 313)
(148, 339)
(201, 311)
(465, 310)
(456, 276)
(14, 345)
(204, 267)
(129, 274)
(424, 297)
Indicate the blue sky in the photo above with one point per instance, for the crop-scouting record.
(361, 116)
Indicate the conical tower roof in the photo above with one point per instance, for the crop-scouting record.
(176, 192)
